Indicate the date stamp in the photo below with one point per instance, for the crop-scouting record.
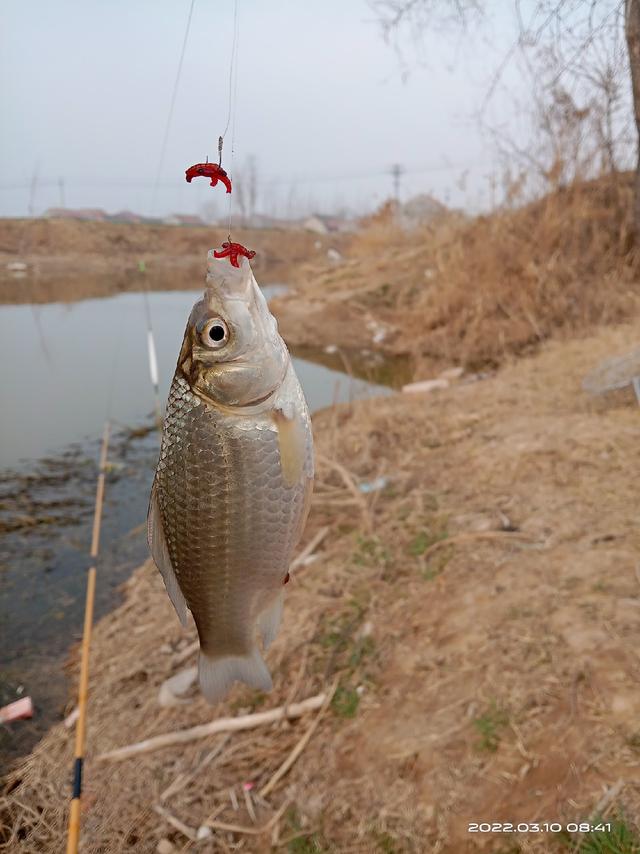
(537, 827)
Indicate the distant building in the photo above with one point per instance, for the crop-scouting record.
(422, 208)
(321, 224)
(86, 214)
(126, 217)
(183, 219)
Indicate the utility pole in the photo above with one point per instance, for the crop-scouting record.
(61, 189)
(32, 193)
(396, 172)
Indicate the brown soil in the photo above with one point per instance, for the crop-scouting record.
(72, 260)
(482, 613)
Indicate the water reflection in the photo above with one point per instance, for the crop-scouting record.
(61, 364)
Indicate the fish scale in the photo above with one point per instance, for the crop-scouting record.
(232, 459)
(233, 482)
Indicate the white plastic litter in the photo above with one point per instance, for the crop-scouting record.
(425, 386)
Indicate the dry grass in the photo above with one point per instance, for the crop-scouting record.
(475, 291)
(482, 616)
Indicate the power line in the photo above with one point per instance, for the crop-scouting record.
(233, 95)
(275, 181)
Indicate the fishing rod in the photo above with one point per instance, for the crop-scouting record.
(83, 685)
(151, 352)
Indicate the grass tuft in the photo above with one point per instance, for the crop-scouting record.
(489, 726)
(345, 702)
(619, 839)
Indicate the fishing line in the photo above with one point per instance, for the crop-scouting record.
(233, 98)
(234, 45)
(163, 148)
(151, 346)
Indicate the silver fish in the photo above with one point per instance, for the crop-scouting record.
(233, 483)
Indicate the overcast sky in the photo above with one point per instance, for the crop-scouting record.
(321, 104)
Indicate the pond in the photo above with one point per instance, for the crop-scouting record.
(62, 367)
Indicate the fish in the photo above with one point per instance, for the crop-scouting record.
(234, 478)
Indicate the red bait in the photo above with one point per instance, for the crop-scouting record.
(209, 170)
(232, 250)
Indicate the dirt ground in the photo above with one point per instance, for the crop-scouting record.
(478, 617)
(70, 260)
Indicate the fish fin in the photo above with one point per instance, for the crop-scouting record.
(160, 555)
(173, 691)
(269, 620)
(306, 507)
(217, 675)
(292, 444)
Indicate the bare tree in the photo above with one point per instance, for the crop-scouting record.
(246, 189)
(632, 32)
(583, 60)
(209, 212)
(252, 184)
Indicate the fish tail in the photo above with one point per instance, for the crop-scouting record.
(217, 674)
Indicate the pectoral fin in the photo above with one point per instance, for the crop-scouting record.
(160, 555)
(291, 441)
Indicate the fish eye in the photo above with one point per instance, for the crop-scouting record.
(215, 333)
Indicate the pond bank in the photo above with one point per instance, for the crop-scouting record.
(479, 611)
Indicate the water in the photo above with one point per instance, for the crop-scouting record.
(59, 365)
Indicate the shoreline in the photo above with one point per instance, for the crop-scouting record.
(461, 607)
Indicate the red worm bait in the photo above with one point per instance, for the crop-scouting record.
(232, 250)
(209, 170)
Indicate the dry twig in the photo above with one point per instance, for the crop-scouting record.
(349, 482)
(183, 779)
(300, 746)
(311, 546)
(242, 722)
(190, 832)
(476, 535)
(251, 831)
